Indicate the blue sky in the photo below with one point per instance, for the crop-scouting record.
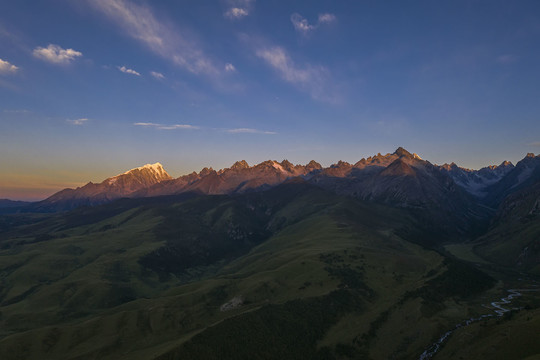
(92, 88)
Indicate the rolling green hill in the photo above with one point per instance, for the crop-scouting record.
(293, 272)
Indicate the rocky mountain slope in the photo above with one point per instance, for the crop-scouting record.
(276, 259)
(513, 239)
(524, 174)
(400, 179)
(113, 188)
(476, 181)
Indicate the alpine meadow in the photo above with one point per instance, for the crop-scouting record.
(235, 180)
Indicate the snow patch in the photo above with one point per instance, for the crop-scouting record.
(278, 166)
(153, 167)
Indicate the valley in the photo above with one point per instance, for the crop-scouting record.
(351, 262)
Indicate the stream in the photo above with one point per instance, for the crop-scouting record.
(498, 309)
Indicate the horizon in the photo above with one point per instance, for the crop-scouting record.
(251, 164)
(90, 89)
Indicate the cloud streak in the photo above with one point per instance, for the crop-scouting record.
(304, 27)
(128, 71)
(314, 80)
(17, 111)
(139, 22)
(7, 68)
(157, 75)
(249, 131)
(56, 55)
(193, 127)
(167, 127)
(78, 122)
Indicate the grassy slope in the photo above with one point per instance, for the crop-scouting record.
(514, 237)
(68, 297)
(512, 337)
(513, 244)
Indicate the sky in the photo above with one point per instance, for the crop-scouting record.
(92, 88)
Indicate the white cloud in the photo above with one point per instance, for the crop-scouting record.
(178, 126)
(157, 75)
(167, 127)
(250, 131)
(304, 27)
(145, 124)
(230, 67)
(78, 121)
(128, 71)
(55, 54)
(237, 9)
(312, 79)
(139, 22)
(301, 24)
(7, 68)
(327, 18)
(236, 13)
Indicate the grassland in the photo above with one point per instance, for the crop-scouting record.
(80, 286)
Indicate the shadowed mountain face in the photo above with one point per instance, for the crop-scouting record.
(513, 239)
(400, 179)
(524, 174)
(477, 181)
(376, 178)
(405, 180)
(279, 260)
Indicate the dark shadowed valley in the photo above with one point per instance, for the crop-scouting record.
(372, 260)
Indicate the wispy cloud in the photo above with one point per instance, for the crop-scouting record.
(304, 27)
(229, 67)
(237, 9)
(17, 111)
(301, 24)
(250, 131)
(7, 68)
(78, 121)
(157, 75)
(56, 55)
(167, 127)
(327, 18)
(535, 143)
(139, 22)
(128, 71)
(312, 79)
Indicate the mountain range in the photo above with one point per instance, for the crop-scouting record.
(449, 198)
(372, 260)
(399, 178)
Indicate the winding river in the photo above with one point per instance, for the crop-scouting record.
(498, 309)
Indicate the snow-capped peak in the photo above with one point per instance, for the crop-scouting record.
(156, 172)
(156, 167)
